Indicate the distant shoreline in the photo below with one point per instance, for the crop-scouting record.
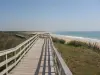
(70, 38)
(85, 34)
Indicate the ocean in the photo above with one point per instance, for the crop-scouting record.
(85, 34)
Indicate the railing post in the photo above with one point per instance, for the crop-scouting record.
(60, 70)
(55, 63)
(15, 55)
(19, 51)
(6, 64)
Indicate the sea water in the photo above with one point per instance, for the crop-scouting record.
(85, 34)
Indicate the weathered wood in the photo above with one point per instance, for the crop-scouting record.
(35, 56)
(28, 64)
(24, 47)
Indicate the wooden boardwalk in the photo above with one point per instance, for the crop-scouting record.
(38, 60)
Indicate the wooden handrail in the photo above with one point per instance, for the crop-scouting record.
(9, 58)
(60, 66)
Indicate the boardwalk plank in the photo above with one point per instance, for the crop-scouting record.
(29, 64)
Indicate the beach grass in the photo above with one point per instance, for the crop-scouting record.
(10, 39)
(81, 59)
(93, 46)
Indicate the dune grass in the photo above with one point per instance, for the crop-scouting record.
(10, 40)
(92, 46)
(81, 59)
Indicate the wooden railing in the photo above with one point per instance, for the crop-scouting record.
(10, 58)
(60, 66)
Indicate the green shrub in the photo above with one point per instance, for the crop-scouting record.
(56, 40)
(76, 43)
(62, 41)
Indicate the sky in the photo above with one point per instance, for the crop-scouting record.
(50, 15)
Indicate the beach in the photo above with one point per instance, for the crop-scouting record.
(82, 39)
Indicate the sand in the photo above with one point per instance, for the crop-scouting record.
(82, 39)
